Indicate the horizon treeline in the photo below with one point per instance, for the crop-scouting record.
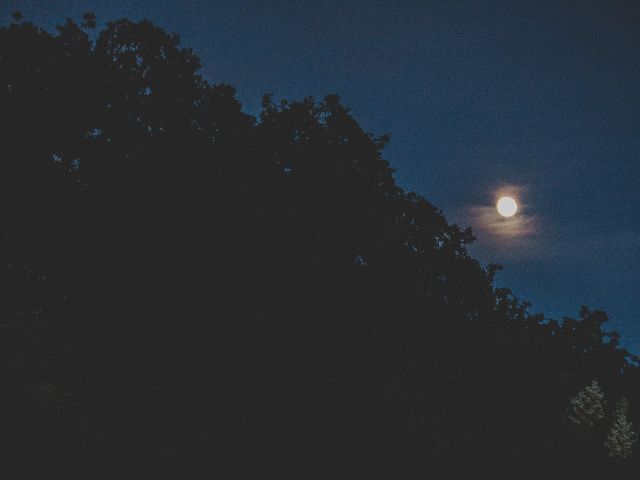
(188, 286)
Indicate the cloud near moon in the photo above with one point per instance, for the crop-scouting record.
(488, 220)
(491, 226)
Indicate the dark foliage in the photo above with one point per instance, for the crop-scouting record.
(186, 286)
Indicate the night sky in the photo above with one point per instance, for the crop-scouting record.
(541, 99)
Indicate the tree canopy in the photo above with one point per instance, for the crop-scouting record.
(188, 285)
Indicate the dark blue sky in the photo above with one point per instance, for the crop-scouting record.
(543, 97)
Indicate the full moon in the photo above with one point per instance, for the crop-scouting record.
(507, 207)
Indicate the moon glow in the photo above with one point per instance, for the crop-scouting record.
(507, 207)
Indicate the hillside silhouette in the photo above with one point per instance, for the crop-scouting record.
(188, 286)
